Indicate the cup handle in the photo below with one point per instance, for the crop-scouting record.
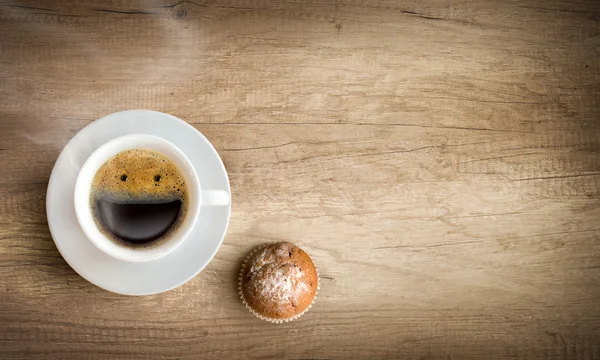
(215, 197)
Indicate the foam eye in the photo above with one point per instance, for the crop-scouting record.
(157, 178)
(123, 177)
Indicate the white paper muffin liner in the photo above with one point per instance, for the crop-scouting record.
(262, 317)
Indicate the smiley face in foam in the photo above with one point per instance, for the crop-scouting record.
(139, 197)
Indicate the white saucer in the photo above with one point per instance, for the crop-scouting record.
(127, 277)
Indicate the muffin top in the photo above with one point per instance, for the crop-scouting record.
(279, 281)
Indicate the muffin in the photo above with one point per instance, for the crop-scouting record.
(278, 282)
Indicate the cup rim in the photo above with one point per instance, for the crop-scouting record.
(88, 171)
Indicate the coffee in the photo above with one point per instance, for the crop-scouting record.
(139, 198)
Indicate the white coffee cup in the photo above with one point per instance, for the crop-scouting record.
(197, 197)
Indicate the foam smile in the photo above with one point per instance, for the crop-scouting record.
(138, 222)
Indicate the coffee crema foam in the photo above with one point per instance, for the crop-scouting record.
(135, 180)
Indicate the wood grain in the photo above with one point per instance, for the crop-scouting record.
(438, 159)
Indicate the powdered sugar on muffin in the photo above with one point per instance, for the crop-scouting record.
(279, 281)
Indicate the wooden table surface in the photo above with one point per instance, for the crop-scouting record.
(438, 159)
